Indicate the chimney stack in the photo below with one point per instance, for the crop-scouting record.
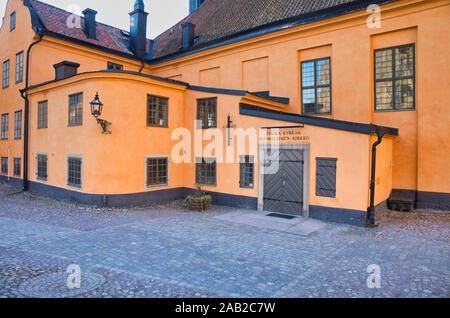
(65, 69)
(90, 24)
(138, 30)
(188, 35)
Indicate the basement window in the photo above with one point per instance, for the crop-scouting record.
(157, 111)
(395, 78)
(42, 165)
(157, 171)
(74, 171)
(17, 166)
(5, 165)
(326, 177)
(247, 167)
(114, 66)
(205, 171)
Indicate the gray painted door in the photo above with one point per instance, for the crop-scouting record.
(283, 187)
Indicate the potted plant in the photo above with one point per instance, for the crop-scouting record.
(200, 201)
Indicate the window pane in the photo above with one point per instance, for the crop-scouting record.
(308, 74)
(404, 62)
(42, 114)
(383, 64)
(157, 111)
(323, 100)
(207, 112)
(404, 94)
(384, 95)
(5, 124)
(74, 172)
(42, 167)
(18, 125)
(76, 110)
(309, 100)
(323, 72)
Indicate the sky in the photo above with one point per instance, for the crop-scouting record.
(162, 13)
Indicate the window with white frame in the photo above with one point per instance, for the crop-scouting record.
(42, 166)
(74, 171)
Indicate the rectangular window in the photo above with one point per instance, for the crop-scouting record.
(157, 172)
(326, 177)
(19, 67)
(395, 78)
(17, 166)
(74, 173)
(205, 172)
(12, 21)
(316, 86)
(76, 109)
(42, 164)
(157, 111)
(5, 165)
(5, 122)
(6, 74)
(114, 66)
(207, 112)
(18, 125)
(43, 114)
(247, 168)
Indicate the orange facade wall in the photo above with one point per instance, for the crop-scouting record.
(420, 154)
(112, 164)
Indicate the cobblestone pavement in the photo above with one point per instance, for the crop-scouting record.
(166, 251)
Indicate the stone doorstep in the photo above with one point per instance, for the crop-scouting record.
(298, 226)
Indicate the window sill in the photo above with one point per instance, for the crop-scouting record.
(42, 180)
(74, 187)
(394, 110)
(206, 185)
(156, 186)
(154, 126)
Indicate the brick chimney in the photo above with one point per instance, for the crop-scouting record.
(90, 24)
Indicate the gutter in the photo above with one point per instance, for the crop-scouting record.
(25, 185)
(370, 221)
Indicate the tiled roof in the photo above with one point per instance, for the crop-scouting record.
(55, 20)
(214, 20)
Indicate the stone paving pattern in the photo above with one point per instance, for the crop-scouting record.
(166, 251)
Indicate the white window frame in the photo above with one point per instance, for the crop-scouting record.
(74, 156)
(37, 160)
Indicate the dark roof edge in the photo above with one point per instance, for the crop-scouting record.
(217, 90)
(273, 27)
(260, 112)
(237, 92)
(157, 78)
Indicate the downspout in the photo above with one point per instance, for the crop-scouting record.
(370, 222)
(25, 185)
(142, 67)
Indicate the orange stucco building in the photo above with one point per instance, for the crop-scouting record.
(321, 109)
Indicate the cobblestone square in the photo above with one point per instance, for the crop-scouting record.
(167, 251)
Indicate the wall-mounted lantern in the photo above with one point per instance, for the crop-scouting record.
(96, 111)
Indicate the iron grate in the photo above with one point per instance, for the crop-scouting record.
(281, 216)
